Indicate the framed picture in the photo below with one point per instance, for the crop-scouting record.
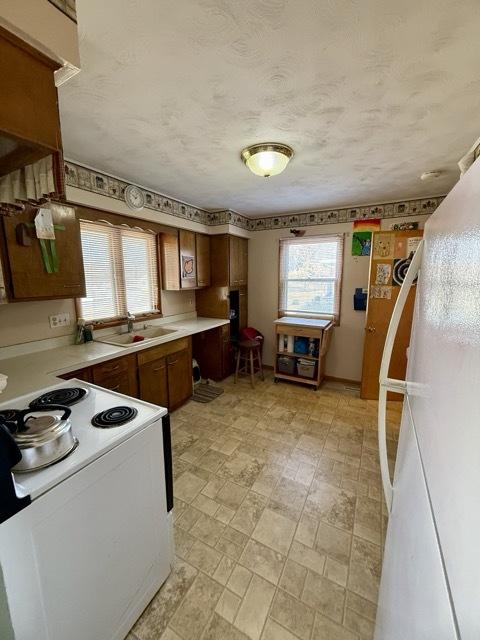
(188, 266)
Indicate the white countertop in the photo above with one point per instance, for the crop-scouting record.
(33, 371)
(315, 323)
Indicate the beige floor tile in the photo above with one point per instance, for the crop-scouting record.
(241, 468)
(188, 486)
(220, 629)
(255, 606)
(324, 596)
(365, 569)
(292, 614)
(273, 631)
(239, 580)
(293, 578)
(331, 504)
(170, 635)
(263, 560)
(205, 505)
(212, 487)
(358, 624)
(308, 558)
(306, 530)
(275, 531)
(224, 514)
(249, 513)
(204, 557)
(226, 445)
(228, 605)
(325, 629)
(333, 542)
(224, 570)
(336, 572)
(196, 608)
(231, 494)
(208, 530)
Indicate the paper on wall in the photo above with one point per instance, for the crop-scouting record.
(381, 292)
(383, 246)
(412, 244)
(384, 271)
(44, 225)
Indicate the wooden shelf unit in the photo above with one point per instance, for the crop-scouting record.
(321, 330)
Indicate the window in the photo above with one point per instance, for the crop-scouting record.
(121, 271)
(311, 276)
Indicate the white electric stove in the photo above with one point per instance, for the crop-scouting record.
(92, 544)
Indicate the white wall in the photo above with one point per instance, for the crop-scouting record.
(344, 359)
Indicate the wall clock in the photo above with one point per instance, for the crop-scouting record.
(134, 197)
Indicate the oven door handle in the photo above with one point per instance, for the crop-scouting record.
(390, 384)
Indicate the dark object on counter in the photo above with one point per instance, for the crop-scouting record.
(360, 300)
(10, 455)
(88, 333)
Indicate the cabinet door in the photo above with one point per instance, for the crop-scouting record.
(26, 274)
(81, 374)
(203, 259)
(414, 599)
(153, 382)
(234, 261)
(243, 308)
(188, 261)
(179, 366)
(227, 353)
(242, 261)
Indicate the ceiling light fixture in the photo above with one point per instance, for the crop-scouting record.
(267, 158)
(430, 175)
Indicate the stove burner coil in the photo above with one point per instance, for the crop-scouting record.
(65, 396)
(114, 417)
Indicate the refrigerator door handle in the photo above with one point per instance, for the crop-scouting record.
(390, 384)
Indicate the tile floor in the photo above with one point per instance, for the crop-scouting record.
(279, 517)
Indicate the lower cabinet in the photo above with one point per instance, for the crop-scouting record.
(153, 382)
(161, 375)
(165, 373)
(212, 351)
(179, 373)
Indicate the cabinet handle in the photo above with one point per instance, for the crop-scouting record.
(159, 368)
(112, 369)
(173, 362)
(71, 286)
(115, 388)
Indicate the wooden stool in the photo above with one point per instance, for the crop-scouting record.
(247, 351)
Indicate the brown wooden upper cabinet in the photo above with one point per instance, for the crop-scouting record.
(185, 260)
(203, 259)
(29, 118)
(25, 265)
(229, 261)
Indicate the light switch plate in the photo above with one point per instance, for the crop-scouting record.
(60, 320)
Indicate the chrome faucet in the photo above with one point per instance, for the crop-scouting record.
(130, 321)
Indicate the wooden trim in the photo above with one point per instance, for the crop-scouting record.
(95, 215)
(344, 380)
(312, 381)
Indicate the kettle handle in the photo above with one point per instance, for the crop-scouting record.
(10, 454)
(34, 409)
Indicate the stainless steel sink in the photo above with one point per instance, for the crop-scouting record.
(126, 339)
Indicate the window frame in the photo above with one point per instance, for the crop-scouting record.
(339, 238)
(116, 321)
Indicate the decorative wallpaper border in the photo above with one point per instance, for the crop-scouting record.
(103, 184)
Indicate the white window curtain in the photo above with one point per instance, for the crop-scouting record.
(310, 276)
(121, 271)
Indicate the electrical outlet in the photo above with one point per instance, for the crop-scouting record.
(60, 320)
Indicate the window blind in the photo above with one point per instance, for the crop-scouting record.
(121, 271)
(310, 276)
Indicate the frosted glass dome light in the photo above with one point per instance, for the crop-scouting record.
(267, 159)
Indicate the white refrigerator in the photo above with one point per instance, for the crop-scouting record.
(430, 585)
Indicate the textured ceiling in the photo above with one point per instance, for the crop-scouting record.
(369, 93)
